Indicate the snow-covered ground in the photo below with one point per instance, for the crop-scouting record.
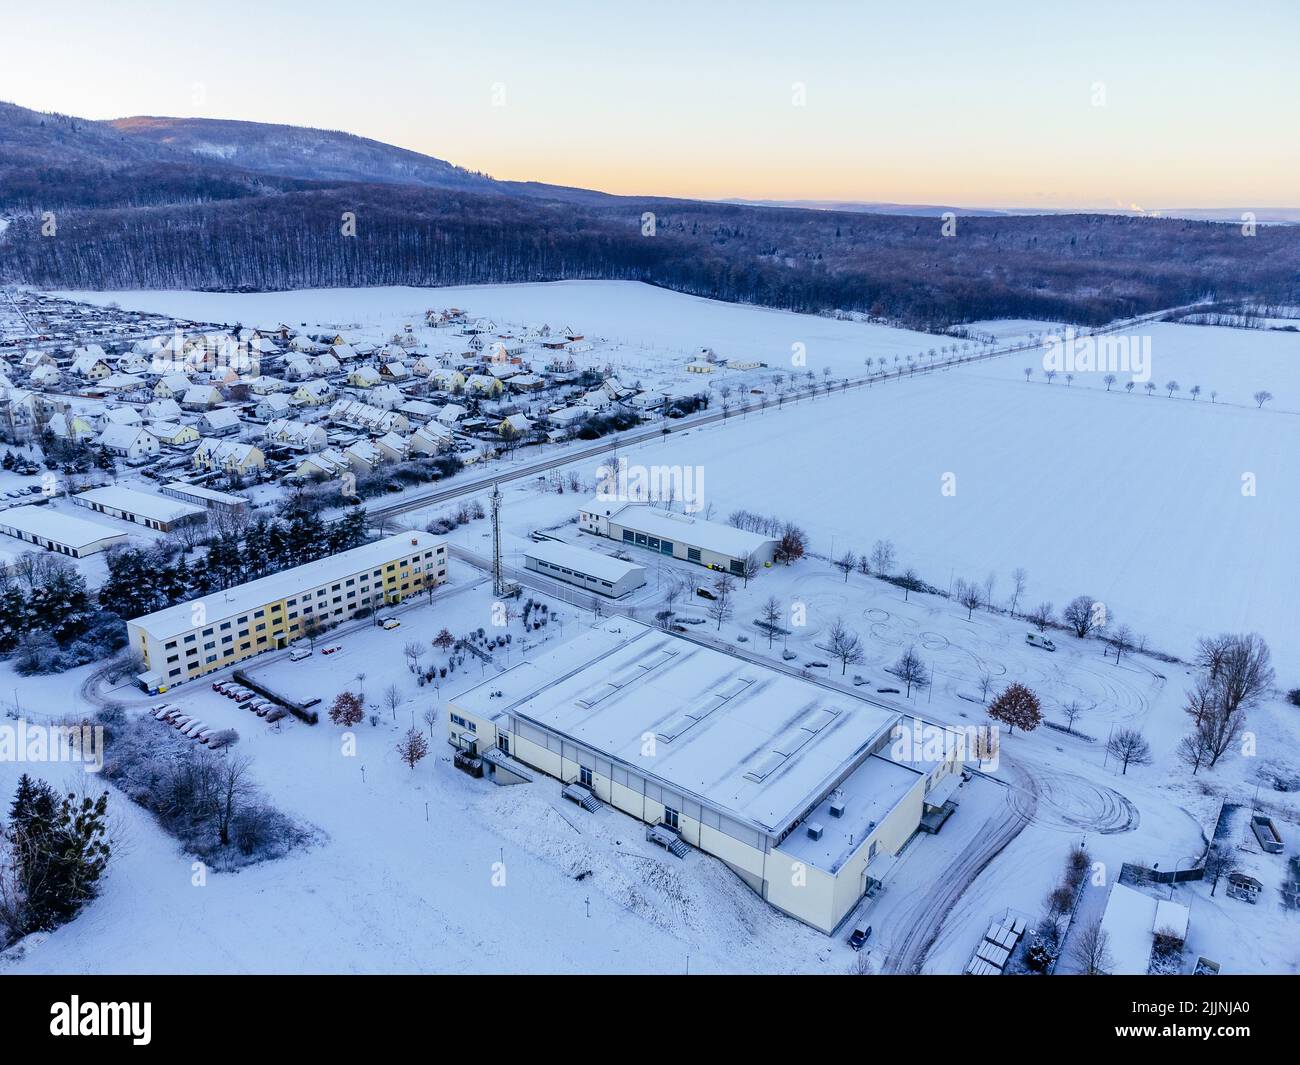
(1136, 501)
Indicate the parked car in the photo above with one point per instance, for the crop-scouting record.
(704, 593)
(391, 623)
(1034, 640)
(299, 653)
(860, 935)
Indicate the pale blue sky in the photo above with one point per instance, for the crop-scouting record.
(917, 101)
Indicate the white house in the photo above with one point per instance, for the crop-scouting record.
(130, 442)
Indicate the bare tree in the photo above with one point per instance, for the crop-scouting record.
(1215, 728)
(1238, 666)
(882, 557)
(1195, 749)
(1120, 640)
(968, 594)
(233, 787)
(393, 699)
(1072, 710)
(414, 651)
(846, 563)
(845, 645)
(1220, 861)
(911, 670)
(1261, 397)
(1019, 582)
(1079, 615)
(909, 581)
(1041, 616)
(750, 567)
(721, 607)
(1130, 747)
(1091, 949)
(772, 615)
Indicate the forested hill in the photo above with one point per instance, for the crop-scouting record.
(177, 203)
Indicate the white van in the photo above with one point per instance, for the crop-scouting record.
(1035, 640)
(299, 653)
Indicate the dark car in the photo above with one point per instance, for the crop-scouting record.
(859, 937)
(705, 593)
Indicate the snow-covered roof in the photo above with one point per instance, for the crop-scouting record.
(50, 524)
(168, 622)
(683, 528)
(747, 740)
(1130, 922)
(145, 504)
(592, 563)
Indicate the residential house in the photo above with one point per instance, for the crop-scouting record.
(228, 456)
(131, 442)
(313, 393)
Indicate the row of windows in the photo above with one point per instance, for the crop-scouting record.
(318, 593)
(572, 573)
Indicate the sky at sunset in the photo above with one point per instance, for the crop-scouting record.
(1046, 104)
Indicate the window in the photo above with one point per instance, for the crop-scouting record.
(627, 535)
(670, 818)
(584, 776)
(666, 547)
(693, 554)
(503, 742)
(737, 567)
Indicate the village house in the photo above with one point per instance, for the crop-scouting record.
(130, 442)
(300, 436)
(313, 393)
(228, 456)
(223, 422)
(276, 405)
(90, 363)
(430, 439)
(364, 377)
(174, 434)
(171, 386)
(163, 410)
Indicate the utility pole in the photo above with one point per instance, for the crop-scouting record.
(498, 585)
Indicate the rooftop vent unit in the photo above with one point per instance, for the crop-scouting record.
(837, 804)
(815, 830)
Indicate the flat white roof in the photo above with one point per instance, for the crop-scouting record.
(867, 794)
(168, 622)
(60, 527)
(1130, 921)
(743, 738)
(199, 492)
(680, 528)
(591, 563)
(146, 504)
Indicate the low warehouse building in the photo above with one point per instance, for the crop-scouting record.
(190, 639)
(587, 569)
(210, 498)
(793, 787)
(56, 531)
(143, 508)
(707, 543)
